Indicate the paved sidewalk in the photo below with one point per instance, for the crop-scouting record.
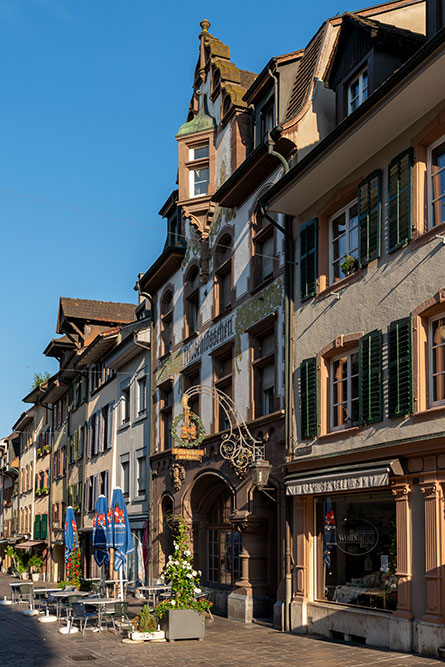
(24, 642)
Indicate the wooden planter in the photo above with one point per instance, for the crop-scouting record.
(183, 624)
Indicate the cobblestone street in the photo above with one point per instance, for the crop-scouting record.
(27, 643)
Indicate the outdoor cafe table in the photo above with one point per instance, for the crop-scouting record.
(15, 590)
(60, 595)
(100, 602)
(153, 592)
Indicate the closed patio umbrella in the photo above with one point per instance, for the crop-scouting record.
(121, 537)
(101, 535)
(71, 537)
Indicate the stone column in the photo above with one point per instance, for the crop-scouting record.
(404, 551)
(300, 582)
(433, 555)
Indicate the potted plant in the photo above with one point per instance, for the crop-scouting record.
(35, 565)
(349, 265)
(39, 451)
(183, 615)
(46, 448)
(22, 566)
(45, 489)
(13, 555)
(145, 626)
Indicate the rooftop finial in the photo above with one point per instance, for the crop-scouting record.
(205, 25)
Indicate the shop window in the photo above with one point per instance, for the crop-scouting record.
(436, 182)
(224, 543)
(223, 380)
(356, 549)
(344, 242)
(192, 301)
(223, 275)
(358, 90)
(167, 323)
(166, 415)
(437, 361)
(264, 373)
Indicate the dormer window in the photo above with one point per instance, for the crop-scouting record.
(199, 174)
(358, 90)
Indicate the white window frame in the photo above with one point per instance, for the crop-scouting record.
(348, 354)
(346, 209)
(432, 403)
(141, 412)
(193, 182)
(125, 458)
(192, 150)
(122, 402)
(430, 150)
(361, 90)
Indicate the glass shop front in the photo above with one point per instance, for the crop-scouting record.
(356, 549)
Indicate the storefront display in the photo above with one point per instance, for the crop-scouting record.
(356, 549)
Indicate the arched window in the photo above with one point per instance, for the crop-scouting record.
(224, 543)
(192, 301)
(167, 322)
(223, 275)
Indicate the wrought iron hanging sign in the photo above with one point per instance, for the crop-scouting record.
(188, 431)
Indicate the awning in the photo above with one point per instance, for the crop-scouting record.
(29, 544)
(345, 478)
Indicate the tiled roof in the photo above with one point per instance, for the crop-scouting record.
(100, 311)
(304, 76)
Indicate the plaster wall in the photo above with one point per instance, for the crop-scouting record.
(411, 17)
(390, 289)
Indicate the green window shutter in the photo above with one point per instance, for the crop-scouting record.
(400, 385)
(369, 209)
(37, 527)
(70, 449)
(370, 378)
(44, 527)
(309, 398)
(399, 200)
(308, 259)
(37, 482)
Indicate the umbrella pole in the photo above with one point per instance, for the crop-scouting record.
(121, 582)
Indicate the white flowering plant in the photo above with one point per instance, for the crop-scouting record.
(183, 578)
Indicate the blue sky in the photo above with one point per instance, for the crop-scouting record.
(92, 93)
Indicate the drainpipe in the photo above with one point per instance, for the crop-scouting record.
(147, 296)
(277, 103)
(270, 147)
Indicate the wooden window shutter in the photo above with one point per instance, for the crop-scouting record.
(44, 527)
(70, 449)
(309, 398)
(82, 441)
(399, 200)
(308, 259)
(369, 209)
(71, 398)
(37, 527)
(89, 439)
(110, 424)
(370, 378)
(86, 495)
(400, 385)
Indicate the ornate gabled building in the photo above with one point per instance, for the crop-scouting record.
(217, 297)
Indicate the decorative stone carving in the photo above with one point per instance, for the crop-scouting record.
(244, 522)
(177, 473)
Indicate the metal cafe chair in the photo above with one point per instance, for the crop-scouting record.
(109, 614)
(79, 613)
(121, 612)
(25, 593)
(67, 604)
(202, 596)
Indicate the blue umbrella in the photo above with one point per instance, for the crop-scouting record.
(122, 539)
(71, 539)
(100, 533)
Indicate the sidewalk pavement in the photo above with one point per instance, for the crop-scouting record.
(24, 642)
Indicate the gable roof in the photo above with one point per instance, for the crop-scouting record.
(95, 311)
(305, 75)
(383, 33)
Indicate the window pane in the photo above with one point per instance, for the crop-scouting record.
(266, 251)
(201, 181)
(267, 345)
(201, 152)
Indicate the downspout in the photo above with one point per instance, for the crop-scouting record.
(147, 296)
(277, 102)
(270, 147)
(288, 424)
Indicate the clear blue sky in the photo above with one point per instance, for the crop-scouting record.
(92, 93)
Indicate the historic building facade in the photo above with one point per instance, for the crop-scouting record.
(365, 483)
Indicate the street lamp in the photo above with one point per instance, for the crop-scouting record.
(260, 471)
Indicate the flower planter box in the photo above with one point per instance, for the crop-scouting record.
(146, 636)
(183, 624)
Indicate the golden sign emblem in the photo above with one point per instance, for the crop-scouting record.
(187, 428)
